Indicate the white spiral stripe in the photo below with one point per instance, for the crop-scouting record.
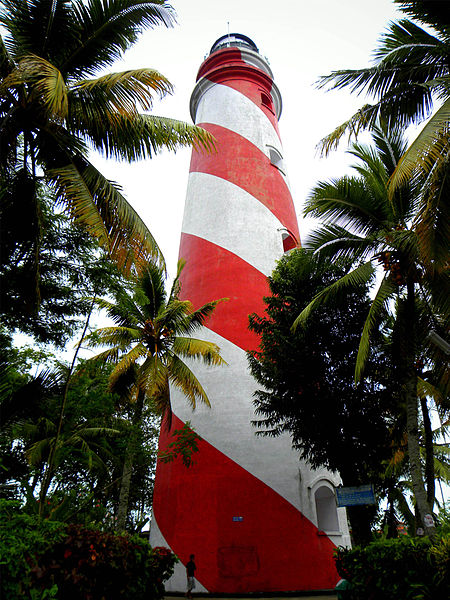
(224, 106)
(219, 213)
(230, 390)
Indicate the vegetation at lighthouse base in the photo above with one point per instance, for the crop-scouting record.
(60, 561)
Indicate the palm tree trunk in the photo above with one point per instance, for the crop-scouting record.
(412, 410)
(429, 453)
(50, 471)
(125, 483)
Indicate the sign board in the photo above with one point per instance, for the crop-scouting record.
(355, 496)
(238, 519)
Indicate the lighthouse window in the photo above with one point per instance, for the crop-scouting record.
(326, 511)
(266, 100)
(276, 159)
(288, 241)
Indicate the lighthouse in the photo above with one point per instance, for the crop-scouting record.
(256, 517)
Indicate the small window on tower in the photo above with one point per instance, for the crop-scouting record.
(266, 100)
(327, 519)
(289, 241)
(276, 159)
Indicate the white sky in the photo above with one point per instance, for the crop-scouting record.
(302, 40)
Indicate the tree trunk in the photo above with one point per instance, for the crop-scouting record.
(125, 482)
(50, 471)
(361, 519)
(429, 453)
(408, 314)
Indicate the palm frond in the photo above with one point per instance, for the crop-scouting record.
(434, 14)
(121, 137)
(126, 361)
(184, 379)
(6, 62)
(120, 337)
(432, 219)
(188, 347)
(46, 83)
(125, 312)
(175, 289)
(42, 27)
(363, 119)
(425, 389)
(407, 59)
(358, 276)
(153, 377)
(39, 451)
(200, 316)
(427, 149)
(442, 466)
(110, 355)
(180, 317)
(348, 202)
(107, 28)
(99, 205)
(119, 93)
(378, 307)
(337, 242)
(150, 293)
(404, 241)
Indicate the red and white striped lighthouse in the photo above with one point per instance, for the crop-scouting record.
(256, 518)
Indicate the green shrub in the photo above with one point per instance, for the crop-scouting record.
(49, 560)
(91, 564)
(22, 537)
(398, 569)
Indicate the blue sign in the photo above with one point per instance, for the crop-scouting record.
(238, 519)
(355, 496)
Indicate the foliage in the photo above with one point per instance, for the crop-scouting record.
(22, 537)
(184, 445)
(407, 568)
(90, 564)
(43, 558)
(85, 485)
(307, 378)
(71, 267)
(56, 102)
(410, 72)
(149, 345)
(365, 223)
(153, 334)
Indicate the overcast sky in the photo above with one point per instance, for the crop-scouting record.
(301, 40)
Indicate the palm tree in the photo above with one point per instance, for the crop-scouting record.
(411, 72)
(56, 103)
(148, 346)
(30, 416)
(409, 78)
(365, 223)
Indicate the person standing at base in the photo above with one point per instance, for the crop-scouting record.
(190, 574)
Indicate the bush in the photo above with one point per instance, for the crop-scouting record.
(405, 568)
(45, 559)
(22, 537)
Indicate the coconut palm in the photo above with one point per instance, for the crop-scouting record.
(30, 418)
(56, 102)
(409, 79)
(411, 72)
(362, 222)
(148, 345)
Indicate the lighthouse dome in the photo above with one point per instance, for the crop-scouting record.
(233, 40)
